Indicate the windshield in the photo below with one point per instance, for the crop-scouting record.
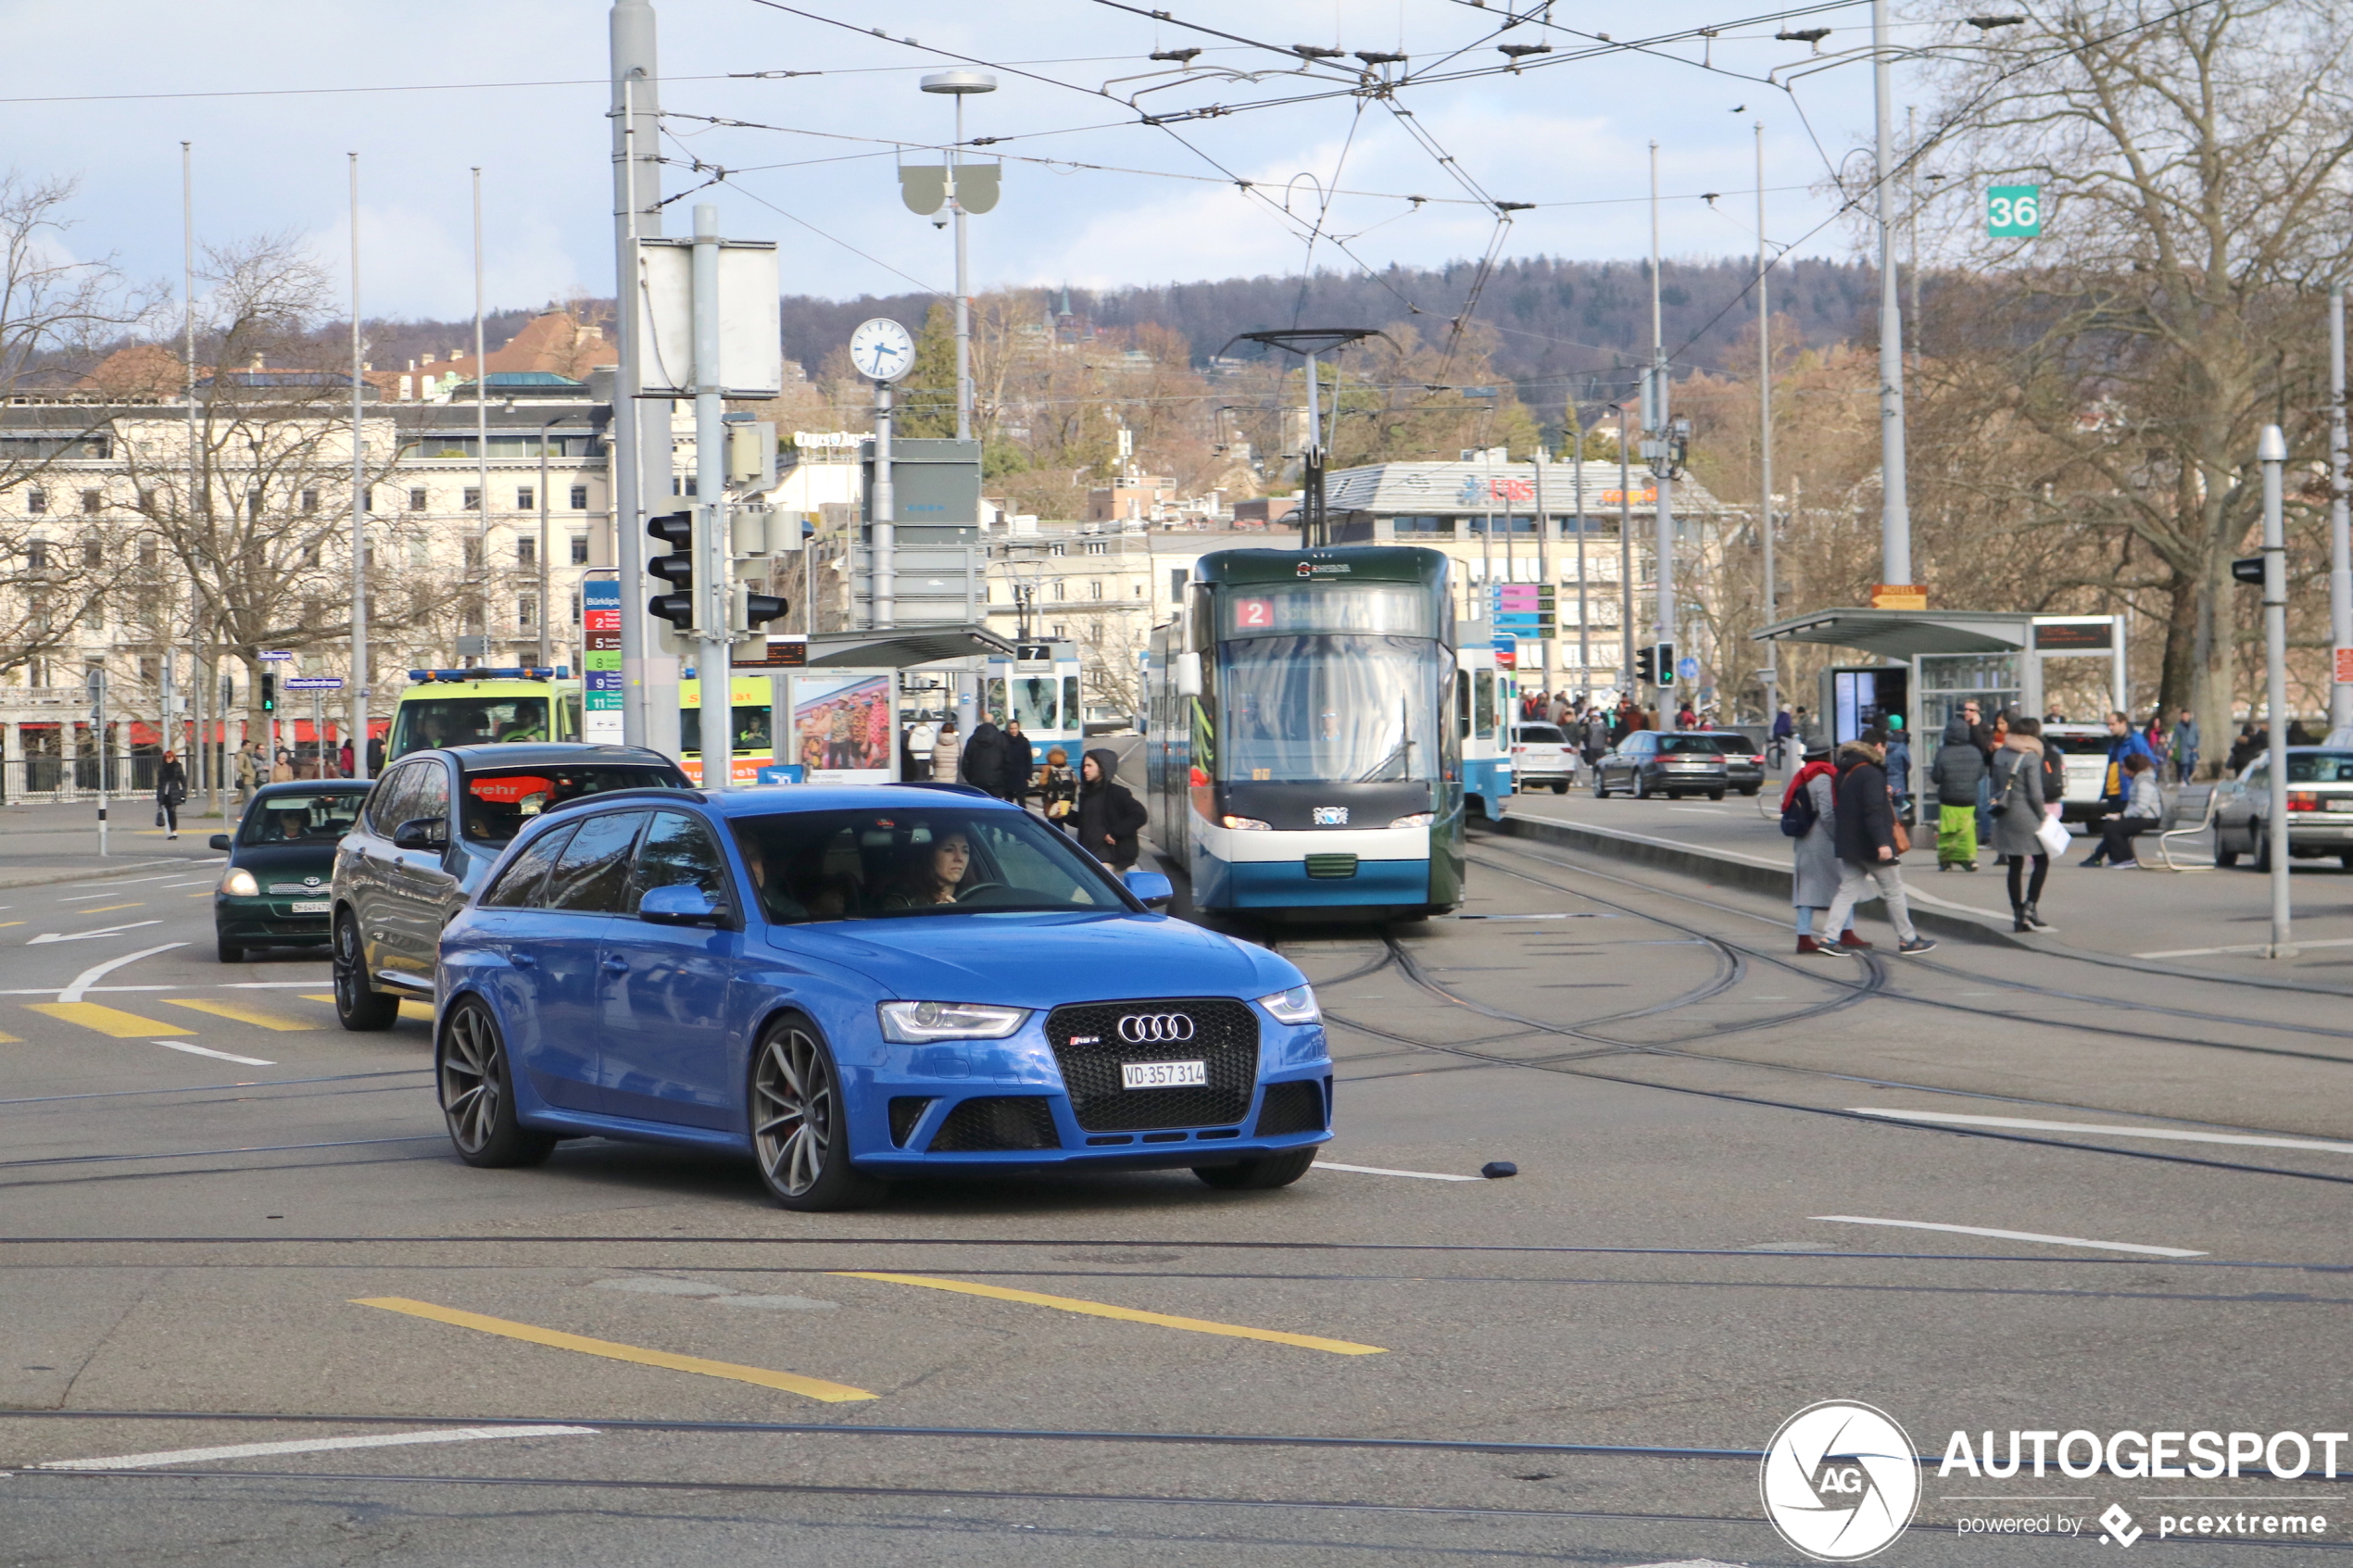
(498, 805)
(2079, 745)
(812, 866)
(1331, 709)
(1282, 609)
(303, 818)
(751, 729)
(2327, 767)
(467, 720)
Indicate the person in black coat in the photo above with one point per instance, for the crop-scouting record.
(171, 793)
(984, 758)
(1867, 851)
(1108, 817)
(1018, 763)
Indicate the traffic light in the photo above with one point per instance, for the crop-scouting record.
(268, 694)
(1646, 665)
(676, 567)
(1665, 664)
(754, 611)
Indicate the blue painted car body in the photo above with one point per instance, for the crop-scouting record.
(621, 1028)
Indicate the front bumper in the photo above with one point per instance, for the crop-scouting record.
(269, 921)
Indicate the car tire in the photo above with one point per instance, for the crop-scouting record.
(228, 951)
(477, 1092)
(2223, 858)
(1751, 789)
(1262, 1174)
(1642, 785)
(1561, 788)
(360, 1007)
(1601, 790)
(799, 1129)
(1717, 793)
(2262, 850)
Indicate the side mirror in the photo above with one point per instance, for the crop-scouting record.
(420, 832)
(1152, 888)
(679, 904)
(221, 841)
(1188, 674)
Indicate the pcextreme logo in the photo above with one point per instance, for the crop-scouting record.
(1840, 1481)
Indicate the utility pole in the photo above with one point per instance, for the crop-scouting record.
(359, 704)
(1765, 436)
(2340, 528)
(195, 468)
(481, 440)
(1894, 516)
(882, 556)
(99, 735)
(2270, 451)
(715, 579)
(1625, 554)
(1661, 446)
(1543, 572)
(1584, 617)
(636, 108)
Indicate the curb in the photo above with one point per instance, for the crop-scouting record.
(48, 879)
(1727, 870)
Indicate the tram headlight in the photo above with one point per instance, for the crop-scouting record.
(1418, 820)
(1294, 1005)
(1248, 824)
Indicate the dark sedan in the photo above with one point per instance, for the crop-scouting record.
(1668, 762)
(278, 889)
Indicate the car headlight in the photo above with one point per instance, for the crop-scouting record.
(239, 884)
(1294, 1005)
(1418, 819)
(1249, 824)
(915, 1024)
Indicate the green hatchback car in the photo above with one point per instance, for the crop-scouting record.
(278, 889)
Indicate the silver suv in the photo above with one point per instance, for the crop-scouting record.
(433, 826)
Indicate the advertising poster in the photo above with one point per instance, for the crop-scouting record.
(842, 727)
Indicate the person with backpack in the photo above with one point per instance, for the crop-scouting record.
(1809, 816)
(1955, 773)
(1868, 846)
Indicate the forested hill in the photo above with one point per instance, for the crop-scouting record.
(1553, 319)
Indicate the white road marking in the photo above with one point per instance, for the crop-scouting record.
(86, 897)
(2243, 948)
(96, 973)
(200, 881)
(2015, 1235)
(315, 1446)
(114, 881)
(86, 935)
(2111, 1129)
(1381, 1171)
(207, 1050)
(275, 985)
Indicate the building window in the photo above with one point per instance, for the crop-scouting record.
(311, 553)
(1058, 548)
(526, 551)
(473, 552)
(580, 498)
(150, 552)
(1097, 548)
(473, 499)
(94, 616)
(527, 612)
(417, 499)
(147, 503)
(367, 500)
(36, 500)
(1094, 587)
(580, 549)
(1139, 590)
(36, 555)
(1057, 631)
(149, 669)
(253, 502)
(94, 552)
(310, 503)
(419, 550)
(575, 606)
(93, 501)
(526, 497)
(1062, 589)
(1438, 527)
(1176, 575)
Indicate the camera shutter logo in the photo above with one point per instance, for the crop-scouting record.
(1157, 1028)
(1840, 1481)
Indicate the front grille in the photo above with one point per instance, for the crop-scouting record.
(997, 1122)
(1086, 1037)
(1331, 866)
(297, 888)
(1291, 1108)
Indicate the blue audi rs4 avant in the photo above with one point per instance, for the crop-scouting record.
(853, 985)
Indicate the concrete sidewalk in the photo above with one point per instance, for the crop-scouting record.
(2205, 917)
(52, 844)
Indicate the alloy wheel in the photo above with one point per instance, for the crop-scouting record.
(794, 1109)
(469, 1091)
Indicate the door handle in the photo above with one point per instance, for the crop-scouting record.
(523, 960)
(616, 964)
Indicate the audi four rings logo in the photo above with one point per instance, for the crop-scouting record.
(1157, 1028)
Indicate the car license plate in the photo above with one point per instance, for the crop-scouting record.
(2340, 802)
(312, 906)
(1163, 1075)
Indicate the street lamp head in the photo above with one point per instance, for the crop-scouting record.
(959, 81)
(2271, 446)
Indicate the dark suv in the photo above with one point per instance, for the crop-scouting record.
(433, 825)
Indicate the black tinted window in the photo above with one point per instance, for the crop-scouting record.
(519, 886)
(431, 798)
(384, 805)
(500, 804)
(2323, 767)
(1539, 734)
(595, 865)
(1689, 746)
(297, 819)
(677, 850)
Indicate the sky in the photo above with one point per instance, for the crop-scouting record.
(273, 94)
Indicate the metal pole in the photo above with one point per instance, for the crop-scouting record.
(2340, 530)
(1894, 516)
(547, 633)
(1912, 223)
(1584, 620)
(1765, 438)
(1544, 577)
(358, 687)
(2270, 451)
(635, 102)
(714, 567)
(98, 736)
(1310, 523)
(188, 287)
(1661, 460)
(1625, 557)
(882, 554)
(963, 290)
(482, 438)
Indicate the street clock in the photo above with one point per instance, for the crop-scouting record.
(882, 350)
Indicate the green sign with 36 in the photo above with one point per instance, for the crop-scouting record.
(2014, 212)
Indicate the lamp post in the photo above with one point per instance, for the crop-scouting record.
(2270, 451)
(959, 85)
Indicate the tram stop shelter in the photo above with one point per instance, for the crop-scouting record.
(1929, 661)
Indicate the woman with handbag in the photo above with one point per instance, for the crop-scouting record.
(1869, 839)
(2021, 820)
(171, 793)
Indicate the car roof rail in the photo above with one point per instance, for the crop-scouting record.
(945, 787)
(644, 793)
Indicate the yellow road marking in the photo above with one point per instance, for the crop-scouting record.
(9, 1039)
(1128, 1314)
(321, 996)
(792, 1383)
(206, 893)
(420, 1011)
(102, 909)
(109, 1020)
(241, 1013)
(11, 923)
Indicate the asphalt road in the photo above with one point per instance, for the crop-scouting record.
(224, 1222)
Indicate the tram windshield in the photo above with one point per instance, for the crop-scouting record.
(1302, 709)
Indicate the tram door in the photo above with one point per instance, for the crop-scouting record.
(1485, 699)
